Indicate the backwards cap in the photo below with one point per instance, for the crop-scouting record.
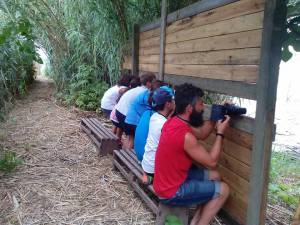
(162, 95)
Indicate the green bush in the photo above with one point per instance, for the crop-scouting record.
(9, 162)
(17, 53)
(85, 89)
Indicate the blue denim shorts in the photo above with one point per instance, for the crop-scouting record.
(196, 189)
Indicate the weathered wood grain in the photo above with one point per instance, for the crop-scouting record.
(246, 56)
(247, 39)
(239, 24)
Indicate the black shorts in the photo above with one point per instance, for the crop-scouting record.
(129, 129)
(121, 119)
(106, 112)
(115, 123)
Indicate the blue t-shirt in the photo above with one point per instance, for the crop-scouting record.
(141, 134)
(137, 108)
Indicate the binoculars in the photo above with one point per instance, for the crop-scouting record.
(218, 112)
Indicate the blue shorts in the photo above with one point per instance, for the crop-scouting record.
(196, 189)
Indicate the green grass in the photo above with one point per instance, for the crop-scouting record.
(284, 186)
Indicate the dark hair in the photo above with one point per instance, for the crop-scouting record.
(147, 77)
(156, 84)
(160, 107)
(186, 94)
(124, 79)
(135, 81)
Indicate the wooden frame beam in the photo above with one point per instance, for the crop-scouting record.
(232, 88)
(135, 50)
(273, 37)
(162, 40)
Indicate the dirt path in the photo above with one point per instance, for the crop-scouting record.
(62, 181)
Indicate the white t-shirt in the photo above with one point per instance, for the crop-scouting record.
(156, 123)
(128, 98)
(110, 97)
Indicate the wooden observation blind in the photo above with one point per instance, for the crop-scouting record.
(231, 47)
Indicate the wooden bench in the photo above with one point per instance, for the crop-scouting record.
(127, 163)
(104, 139)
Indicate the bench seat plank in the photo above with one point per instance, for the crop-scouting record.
(103, 138)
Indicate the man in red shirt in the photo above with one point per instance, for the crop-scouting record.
(176, 180)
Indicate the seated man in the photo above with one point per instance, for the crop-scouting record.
(176, 182)
(163, 103)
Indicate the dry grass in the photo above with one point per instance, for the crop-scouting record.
(62, 181)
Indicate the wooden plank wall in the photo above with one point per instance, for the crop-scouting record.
(234, 167)
(223, 43)
(220, 44)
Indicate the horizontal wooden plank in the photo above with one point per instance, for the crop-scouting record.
(236, 166)
(234, 150)
(235, 182)
(235, 25)
(240, 9)
(246, 56)
(232, 88)
(149, 59)
(247, 39)
(151, 42)
(226, 12)
(150, 33)
(188, 11)
(240, 137)
(149, 51)
(244, 73)
(149, 67)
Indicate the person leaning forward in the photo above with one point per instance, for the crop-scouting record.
(177, 182)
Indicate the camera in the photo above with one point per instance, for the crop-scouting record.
(218, 112)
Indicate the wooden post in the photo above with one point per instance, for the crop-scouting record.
(135, 50)
(162, 40)
(272, 39)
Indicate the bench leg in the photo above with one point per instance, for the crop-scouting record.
(164, 210)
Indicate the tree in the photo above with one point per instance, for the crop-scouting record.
(293, 29)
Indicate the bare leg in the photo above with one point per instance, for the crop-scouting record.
(119, 133)
(125, 143)
(130, 141)
(211, 208)
(145, 178)
(114, 129)
(196, 216)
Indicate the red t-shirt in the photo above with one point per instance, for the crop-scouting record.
(172, 163)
